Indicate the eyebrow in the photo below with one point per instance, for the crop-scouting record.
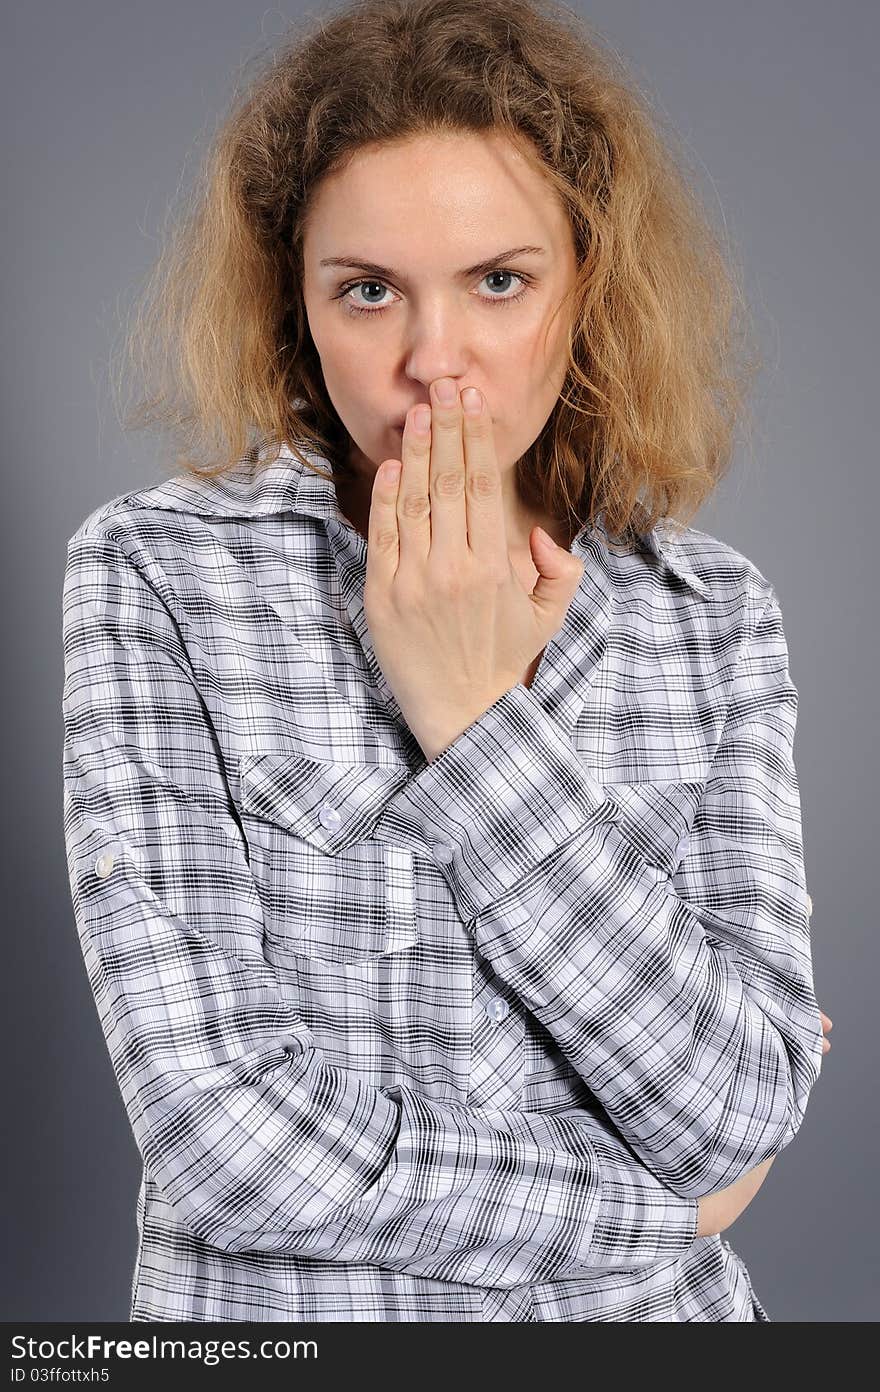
(481, 268)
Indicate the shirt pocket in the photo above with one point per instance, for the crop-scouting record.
(656, 816)
(330, 892)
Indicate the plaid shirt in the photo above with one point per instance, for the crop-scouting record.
(459, 1040)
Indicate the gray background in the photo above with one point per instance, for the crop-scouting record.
(107, 107)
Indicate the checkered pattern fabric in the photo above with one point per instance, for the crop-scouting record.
(450, 1040)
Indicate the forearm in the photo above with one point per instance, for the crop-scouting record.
(679, 989)
(718, 1211)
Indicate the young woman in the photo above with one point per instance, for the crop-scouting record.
(432, 822)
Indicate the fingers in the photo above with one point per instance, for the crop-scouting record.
(383, 542)
(827, 1024)
(449, 542)
(413, 498)
(487, 533)
(449, 500)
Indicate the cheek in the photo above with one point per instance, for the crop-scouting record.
(533, 343)
(338, 355)
(533, 369)
(551, 341)
(336, 348)
(342, 368)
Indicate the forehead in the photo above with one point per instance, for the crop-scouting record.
(461, 187)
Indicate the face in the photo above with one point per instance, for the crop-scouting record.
(427, 282)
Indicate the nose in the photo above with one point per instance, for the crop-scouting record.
(436, 336)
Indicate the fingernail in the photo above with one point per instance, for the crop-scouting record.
(422, 419)
(445, 390)
(472, 401)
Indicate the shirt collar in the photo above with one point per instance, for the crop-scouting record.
(661, 542)
(283, 485)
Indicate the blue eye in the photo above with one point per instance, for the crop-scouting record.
(378, 309)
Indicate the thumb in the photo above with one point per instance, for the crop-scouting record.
(558, 574)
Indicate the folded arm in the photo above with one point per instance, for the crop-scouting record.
(685, 1002)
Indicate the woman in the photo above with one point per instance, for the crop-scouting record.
(434, 841)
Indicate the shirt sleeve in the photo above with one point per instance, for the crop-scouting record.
(256, 1141)
(684, 1001)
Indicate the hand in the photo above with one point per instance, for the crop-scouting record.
(718, 1211)
(451, 624)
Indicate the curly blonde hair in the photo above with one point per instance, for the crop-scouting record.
(660, 359)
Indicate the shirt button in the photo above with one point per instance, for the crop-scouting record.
(443, 852)
(809, 906)
(104, 864)
(329, 817)
(497, 1009)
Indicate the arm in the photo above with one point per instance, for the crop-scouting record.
(718, 1211)
(688, 1011)
(254, 1138)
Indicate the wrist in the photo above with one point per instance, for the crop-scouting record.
(436, 734)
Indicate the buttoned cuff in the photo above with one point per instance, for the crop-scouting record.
(507, 793)
(639, 1221)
